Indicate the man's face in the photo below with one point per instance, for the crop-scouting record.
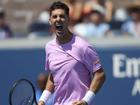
(95, 18)
(59, 21)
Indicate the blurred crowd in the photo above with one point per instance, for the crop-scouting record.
(5, 30)
(89, 18)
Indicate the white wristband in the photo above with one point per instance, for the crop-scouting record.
(89, 96)
(45, 96)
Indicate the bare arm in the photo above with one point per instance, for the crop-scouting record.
(49, 87)
(96, 84)
(97, 81)
(50, 84)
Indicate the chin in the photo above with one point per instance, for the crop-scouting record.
(59, 33)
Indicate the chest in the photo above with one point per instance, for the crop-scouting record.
(59, 60)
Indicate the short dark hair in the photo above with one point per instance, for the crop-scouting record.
(59, 5)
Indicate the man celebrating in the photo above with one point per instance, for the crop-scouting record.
(75, 70)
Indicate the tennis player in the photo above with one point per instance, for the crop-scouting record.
(76, 73)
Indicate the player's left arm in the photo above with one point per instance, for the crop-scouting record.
(92, 62)
(96, 83)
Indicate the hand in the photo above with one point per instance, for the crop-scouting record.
(79, 102)
(41, 103)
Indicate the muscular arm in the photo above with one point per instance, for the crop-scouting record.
(49, 87)
(97, 81)
(96, 84)
(50, 83)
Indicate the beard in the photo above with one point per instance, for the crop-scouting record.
(59, 30)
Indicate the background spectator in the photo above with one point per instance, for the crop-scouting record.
(40, 27)
(5, 31)
(106, 6)
(76, 9)
(93, 24)
(132, 26)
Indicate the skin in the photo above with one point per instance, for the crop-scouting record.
(63, 35)
(57, 17)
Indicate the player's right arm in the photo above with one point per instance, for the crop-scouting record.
(48, 90)
(50, 84)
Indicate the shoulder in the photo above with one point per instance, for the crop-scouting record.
(49, 46)
(81, 43)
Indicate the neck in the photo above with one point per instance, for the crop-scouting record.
(62, 39)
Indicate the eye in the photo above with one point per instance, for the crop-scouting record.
(54, 16)
(62, 16)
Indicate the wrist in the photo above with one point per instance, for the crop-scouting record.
(41, 103)
(89, 96)
(45, 96)
(85, 103)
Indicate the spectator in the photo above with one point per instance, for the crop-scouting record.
(106, 6)
(40, 27)
(95, 27)
(44, 15)
(132, 26)
(5, 31)
(119, 17)
(120, 14)
(76, 8)
(109, 8)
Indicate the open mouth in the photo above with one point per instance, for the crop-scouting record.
(59, 26)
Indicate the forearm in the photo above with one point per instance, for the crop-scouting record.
(50, 84)
(96, 84)
(47, 92)
(97, 81)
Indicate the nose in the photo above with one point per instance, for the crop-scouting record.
(58, 18)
